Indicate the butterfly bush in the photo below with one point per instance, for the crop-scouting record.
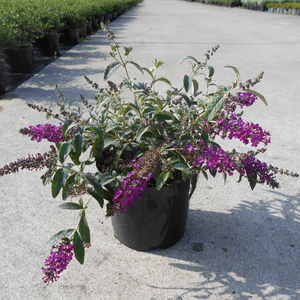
(153, 139)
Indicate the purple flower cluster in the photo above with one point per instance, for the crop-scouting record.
(232, 126)
(49, 132)
(217, 159)
(210, 157)
(251, 165)
(58, 261)
(245, 99)
(132, 188)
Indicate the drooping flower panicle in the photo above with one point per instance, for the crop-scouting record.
(50, 132)
(59, 258)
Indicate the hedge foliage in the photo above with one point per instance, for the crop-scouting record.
(21, 21)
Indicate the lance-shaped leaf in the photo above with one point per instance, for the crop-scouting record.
(149, 72)
(136, 65)
(211, 71)
(193, 181)
(64, 151)
(84, 229)
(95, 183)
(59, 181)
(53, 241)
(237, 73)
(187, 82)
(189, 57)
(184, 168)
(110, 69)
(78, 247)
(253, 180)
(163, 79)
(162, 178)
(259, 96)
(214, 106)
(195, 86)
(127, 50)
(96, 196)
(70, 205)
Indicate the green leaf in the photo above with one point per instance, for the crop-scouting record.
(149, 110)
(163, 79)
(84, 229)
(64, 151)
(162, 178)
(237, 73)
(78, 144)
(259, 96)
(140, 134)
(189, 57)
(95, 183)
(193, 180)
(158, 64)
(163, 116)
(78, 247)
(195, 86)
(186, 99)
(58, 182)
(71, 180)
(149, 72)
(213, 172)
(127, 50)
(136, 65)
(211, 71)
(204, 174)
(110, 69)
(70, 205)
(96, 196)
(53, 241)
(184, 168)
(214, 106)
(253, 180)
(187, 82)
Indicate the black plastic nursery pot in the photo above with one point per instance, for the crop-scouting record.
(95, 24)
(2, 80)
(70, 36)
(157, 220)
(49, 45)
(19, 60)
(89, 27)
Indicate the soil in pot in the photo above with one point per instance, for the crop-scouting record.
(19, 60)
(157, 220)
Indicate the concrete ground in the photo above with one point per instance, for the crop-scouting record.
(239, 244)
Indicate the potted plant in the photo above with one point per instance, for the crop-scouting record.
(149, 151)
(49, 30)
(18, 26)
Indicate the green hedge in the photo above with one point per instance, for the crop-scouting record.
(288, 5)
(21, 21)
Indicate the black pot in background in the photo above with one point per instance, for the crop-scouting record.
(70, 36)
(157, 220)
(95, 24)
(49, 45)
(2, 78)
(89, 28)
(19, 60)
(82, 31)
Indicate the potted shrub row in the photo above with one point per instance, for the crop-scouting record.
(47, 23)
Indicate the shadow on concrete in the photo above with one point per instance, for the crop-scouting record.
(252, 251)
